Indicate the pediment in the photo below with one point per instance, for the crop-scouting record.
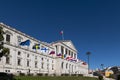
(69, 44)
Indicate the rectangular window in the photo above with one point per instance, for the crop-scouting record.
(42, 59)
(19, 53)
(7, 60)
(47, 66)
(69, 52)
(42, 65)
(19, 62)
(66, 51)
(35, 64)
(75, 56)
(28, 63)
(66, 65)
(8, 38)
(62, 49)
(52, 67)
(35, 57)
(62, 65)
(56, 49)
(28, 55)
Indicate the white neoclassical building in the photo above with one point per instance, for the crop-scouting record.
(29, 55)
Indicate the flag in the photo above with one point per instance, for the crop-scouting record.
(25, 43)
(65, 55)
(74, 60)
(44, 49)
(69, 58)
(84, 63)
(59, 54)
(52, 52)
(62, 56)
(61, 32)
(36, 46)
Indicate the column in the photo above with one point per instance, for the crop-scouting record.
(59, 49)
(73, 55)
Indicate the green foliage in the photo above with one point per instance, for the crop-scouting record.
(112, 76)
(54, 78)
(1, 34)
(118, 77)
(100, 77)
(4, 51)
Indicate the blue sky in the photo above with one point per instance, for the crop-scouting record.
(92, 25)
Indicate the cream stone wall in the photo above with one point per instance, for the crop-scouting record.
(39, 60)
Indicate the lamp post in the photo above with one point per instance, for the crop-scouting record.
(102, 65)
(88, 54)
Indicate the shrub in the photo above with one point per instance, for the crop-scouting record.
(46, 74)
(74, 75)
(100, 77)
(39, 74)
(111, 76)
(118, 77)
(80, 74)
(30, 74)
(22, 74)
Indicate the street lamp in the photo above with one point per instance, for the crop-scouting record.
(88, 54)
(102, 66)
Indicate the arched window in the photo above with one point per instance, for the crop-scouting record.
(62, 65)
(66, 65)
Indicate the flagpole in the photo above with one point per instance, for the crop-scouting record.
(63, 36)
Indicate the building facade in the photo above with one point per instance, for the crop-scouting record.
(31, 56)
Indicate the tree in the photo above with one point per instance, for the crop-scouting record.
(88, 54)
(3, 51)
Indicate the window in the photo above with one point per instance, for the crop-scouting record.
(28, 55)
(52, 67)
(42, 59)
(66, 65)
(7, 70)
(66, 51)
(42, 65)
(75, 56)
(62, 49)
(62, 65)
(47, 66)
(35, 64)
(56, 49)
(28, 63)
(19, 53)
(35, 57)
(7, 60)
(69, 52)
(19, 62)
(8, 38)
